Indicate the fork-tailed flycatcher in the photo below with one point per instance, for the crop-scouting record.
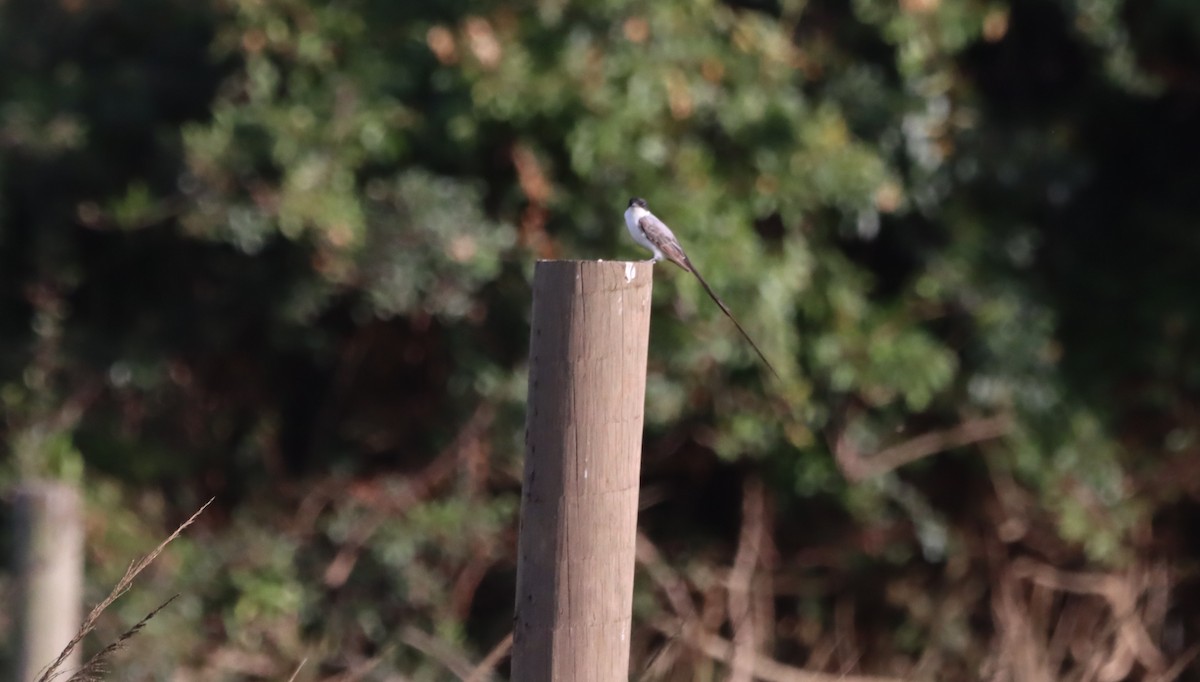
(654, 235)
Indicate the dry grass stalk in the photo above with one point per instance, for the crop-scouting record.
(123, 585)
(95, 667)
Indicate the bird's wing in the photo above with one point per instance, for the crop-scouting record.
(661, 236)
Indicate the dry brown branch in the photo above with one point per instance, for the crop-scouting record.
(363, 668)
(1177, 668)
(678, 595)
(475, 452)
(856, 467)
(483, 671)
(1018, 651)
(713, 609)
(662, 660)
(538, 189)
(1101, 631)
(1158, 598)
(438, 650)
(741, 617)
(846, 639)
(763, 591)
(318, 495)
(296, 672)
(338, 570)
(1072, 619)
(1119, 663)
(821, 652)
(462, 594)
(667, 580)
(229, 661)
(1122, 599)
(123, 585)
(762, 667)
(74, 407)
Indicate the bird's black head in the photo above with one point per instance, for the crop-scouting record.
(637, 201)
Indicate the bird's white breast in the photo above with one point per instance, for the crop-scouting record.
(632, 215)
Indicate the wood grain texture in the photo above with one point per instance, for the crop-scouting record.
(583, 440)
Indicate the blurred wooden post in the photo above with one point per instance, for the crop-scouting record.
(583, 442)
(48, 536)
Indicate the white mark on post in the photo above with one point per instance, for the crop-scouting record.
(630, 272)
(585, 474)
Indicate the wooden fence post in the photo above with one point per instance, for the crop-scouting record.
(48, 532)
(583, 442)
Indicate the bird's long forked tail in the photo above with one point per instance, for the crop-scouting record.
(725, 309)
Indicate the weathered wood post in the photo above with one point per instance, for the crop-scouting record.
(48, 533)
(583, 441)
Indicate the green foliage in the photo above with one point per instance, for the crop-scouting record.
(253, 247)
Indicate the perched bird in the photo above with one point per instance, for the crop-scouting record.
(653, 234)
